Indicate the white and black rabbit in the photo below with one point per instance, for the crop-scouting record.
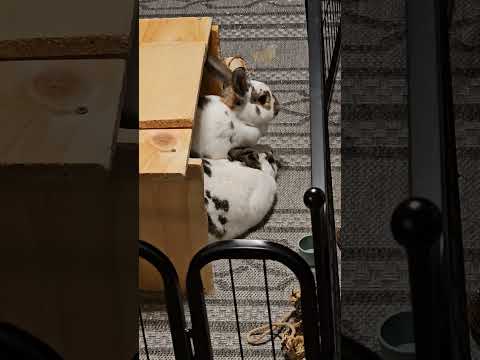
(238, 118)
(240, 191)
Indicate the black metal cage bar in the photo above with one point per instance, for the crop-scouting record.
(331, 19)
(439, 304)
(175, 310)
(324, 38)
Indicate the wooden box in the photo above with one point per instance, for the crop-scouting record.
(67, 267)
(68, 264)
(172, 210)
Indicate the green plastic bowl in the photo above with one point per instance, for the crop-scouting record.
(305, 249)
(396, 337)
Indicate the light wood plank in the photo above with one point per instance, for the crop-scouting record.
(164, 151)
(170, 75)
(58, 27)
(42, 105)
(185, 29)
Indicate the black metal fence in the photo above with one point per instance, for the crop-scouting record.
(428, 224)
(331, 28)
(173, 299)
(260, 250)
(324, 39)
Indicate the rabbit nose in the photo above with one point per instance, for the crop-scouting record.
(276, 106)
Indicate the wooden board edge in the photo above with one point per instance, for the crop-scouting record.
(214, 41)
(143, 23)
(195, 162)
(166, 124)
(66, 47)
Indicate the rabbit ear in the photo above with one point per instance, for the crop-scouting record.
(239, 81)
(219, 69)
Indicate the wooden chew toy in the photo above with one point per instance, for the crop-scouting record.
(235, 62)
(290, 331)
(289, 327)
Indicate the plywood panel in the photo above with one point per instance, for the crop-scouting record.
(185, 29)
(164, 151)
(173, 219)
(170, 75)
(65, 269)
(59, 111)
(58, 27)
(172, 214)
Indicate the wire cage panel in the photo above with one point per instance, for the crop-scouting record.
(259, 250)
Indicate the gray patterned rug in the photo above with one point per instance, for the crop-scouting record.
(271, 36)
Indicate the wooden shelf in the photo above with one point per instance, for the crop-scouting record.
(170, 76)
(172, 55)
(59, 112)
(164, 151)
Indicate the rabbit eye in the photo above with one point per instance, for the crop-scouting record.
(262, 99)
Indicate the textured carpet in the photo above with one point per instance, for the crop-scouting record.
(271, 36)
(374, 155)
